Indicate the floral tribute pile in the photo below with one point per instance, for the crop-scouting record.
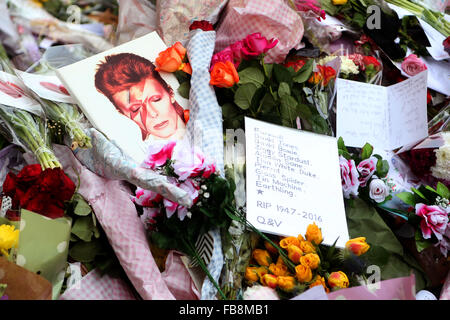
(175, 226)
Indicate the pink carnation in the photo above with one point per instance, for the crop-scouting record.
(190, 163)
(146, 198)
(412, 65)
(349, 177)
(435, 220)
(159, 153)
(366, 168)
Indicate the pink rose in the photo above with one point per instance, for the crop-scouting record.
(159, 153)
(223, 56)
(255, 44)
(171, 207)
(236, 48)
(188, 162)
(435, 220)
(349, 177)
(412, 65)
(146, 198)
(366, 168)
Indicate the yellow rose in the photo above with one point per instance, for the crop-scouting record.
(319, 281)
(261, 271)
(9, 238)
(286, 283)
(310, 260)
(294, 253)
(303, 274)
(358, 246)
(339, 2)
(278, 270)
(269, 247)
(251, 274)
(300, 238)
(280, 262)
(307, 247)
(285, 242)
(313, 234)
(269, 280)
(262, 257)
(338, 280)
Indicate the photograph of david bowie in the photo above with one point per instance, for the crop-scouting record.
(138, 92)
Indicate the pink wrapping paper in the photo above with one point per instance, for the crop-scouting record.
(95, 287)
(272, 18)
(392, 289)
(118, 216)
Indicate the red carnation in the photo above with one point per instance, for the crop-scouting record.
(202, 24)
(368, 60)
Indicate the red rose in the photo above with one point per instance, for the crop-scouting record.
(368, 60)
(29, 173)
(10, 184)
(295, 64)
(203, 24)
(56, 182)
(328, 73)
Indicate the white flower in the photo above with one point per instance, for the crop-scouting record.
(347, 64)
(378, 190)
(349, 177)
(258, 292)
(441, 169)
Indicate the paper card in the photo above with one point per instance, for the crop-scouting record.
(13, 93)
(47, 87)
(125, 98)
(386, 117)
(293, 180)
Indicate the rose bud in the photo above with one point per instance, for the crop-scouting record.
(262, 257)
(303, 274)
(313, 234)
(269, 247)
(319, 281)
(171, 59)
(285, 242)
(269, 280)
(286, 283)
(307, 247)
(224, 75)
(357, 245)
(278, 269)
(338, 280)
(294, 253)
(310, 260)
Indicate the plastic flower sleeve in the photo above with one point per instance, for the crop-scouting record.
(108, 160)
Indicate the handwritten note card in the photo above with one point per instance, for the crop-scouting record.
(293, 180)
(386, 117)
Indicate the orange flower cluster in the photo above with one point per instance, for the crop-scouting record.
(323, 76)
(172, 59)
(303, 252)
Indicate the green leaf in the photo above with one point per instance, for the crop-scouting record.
(184, 89)
(230, 110)
(382, 168)
(284, 89)
(282, 74)
(303, 111)
(407, 197)
(420, 194)
(366, 151)
(442, 190)
(251, 75)
(82, 208)
(341, 144)
(319, 124)
(267, 104)
(305, 72)
(288, 110)
(244, 94)
(85, 251)
(268, 70)
(83, 228)
(421, 243)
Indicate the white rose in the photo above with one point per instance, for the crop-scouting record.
(378, 190)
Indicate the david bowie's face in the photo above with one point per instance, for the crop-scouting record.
(149, 105)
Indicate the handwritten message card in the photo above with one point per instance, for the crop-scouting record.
(386, 117)
(293, 180)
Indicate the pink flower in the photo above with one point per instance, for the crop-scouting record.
(236, 48)
(210, 168)
(255, 44)
(223, 56)
(170, 206)
(412, 65)
(349, 177)
(434, 220)
(159, 153)
(358, 59)
(146, 198)
(148, 216)
(188, 162)
(310, 5)
(366, 168)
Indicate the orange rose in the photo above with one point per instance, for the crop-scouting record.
(303, 274)
(307, 247)
(310, 260)
(278, 270)
(358, 246)
(280, 262)
(224, 75)
(294, 253)
(251, 274)
(286, 283)
(269, 280)
(313, 234)
(338, 280)
(269, 247)
(262, 257)
(171, 59)
(315, 78)
(285, 242)
(328, 73)
(319, 281)
(300, 238)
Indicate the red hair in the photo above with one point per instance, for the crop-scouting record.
(122, 71)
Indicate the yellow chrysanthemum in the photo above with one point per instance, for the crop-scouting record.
(9, 237)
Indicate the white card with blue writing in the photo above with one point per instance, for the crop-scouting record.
(293, 180)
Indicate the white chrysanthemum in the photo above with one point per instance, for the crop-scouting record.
(442, 168)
